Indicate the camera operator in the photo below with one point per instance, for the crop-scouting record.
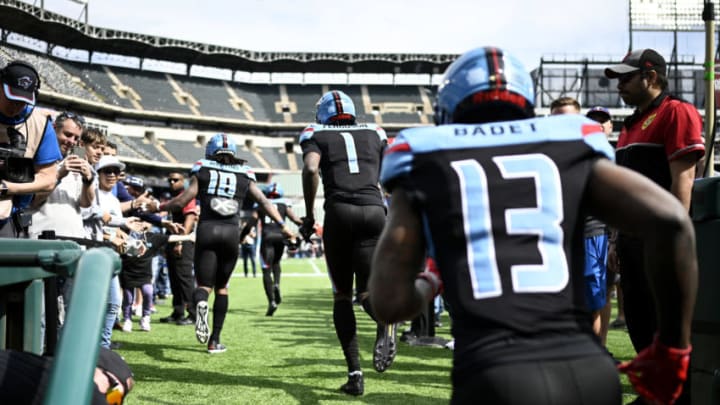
(28, 147)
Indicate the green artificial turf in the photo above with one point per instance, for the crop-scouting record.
(292, 357)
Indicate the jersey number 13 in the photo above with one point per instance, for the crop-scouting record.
(551, 274)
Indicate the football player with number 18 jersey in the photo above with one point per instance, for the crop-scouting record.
(220, 182)
(498, 199)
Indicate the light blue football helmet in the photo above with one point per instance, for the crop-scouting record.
(334, 106)
(273, 190)
(220, 144)
(495, 74)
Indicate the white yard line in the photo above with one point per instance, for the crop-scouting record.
(315, 267)
(240, 275)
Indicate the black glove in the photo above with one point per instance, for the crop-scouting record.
(293, 245)
(307, 228)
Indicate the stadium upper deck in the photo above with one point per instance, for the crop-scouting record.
(163, 100)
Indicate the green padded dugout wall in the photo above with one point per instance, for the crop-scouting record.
(705, 363)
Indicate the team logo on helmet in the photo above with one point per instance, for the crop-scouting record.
(273, 190)
(482, 75)
(25, 82)
(334, 106)
(220, 144)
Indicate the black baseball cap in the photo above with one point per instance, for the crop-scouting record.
(602, 113)
(20, 81)
(135, 181)
(641, 59)
(109, 360)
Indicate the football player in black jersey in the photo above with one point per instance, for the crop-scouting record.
(272, 244)
(497, 198)
(220, 182)
(348, 156)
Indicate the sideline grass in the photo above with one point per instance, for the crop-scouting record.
(291, 358)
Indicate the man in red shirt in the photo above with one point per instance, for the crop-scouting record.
(663, 141)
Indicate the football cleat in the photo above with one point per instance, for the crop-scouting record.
(385, 347)
(272, 307)
(202, 330)
(276, 293)
(354, 384)
(215, 347)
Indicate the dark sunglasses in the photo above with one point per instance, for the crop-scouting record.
(113, 395)
(110, 171)
(628, 76)
(70, 115)
(171, 180)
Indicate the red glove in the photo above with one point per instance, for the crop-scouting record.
(432, 276)
(658, 372)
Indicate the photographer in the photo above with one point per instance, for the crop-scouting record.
(28, 147)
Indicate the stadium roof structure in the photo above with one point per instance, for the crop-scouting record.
(55, 29)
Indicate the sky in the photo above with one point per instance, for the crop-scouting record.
(530, 29)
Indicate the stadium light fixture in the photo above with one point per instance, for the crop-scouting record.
(667, 15)
(80, 1)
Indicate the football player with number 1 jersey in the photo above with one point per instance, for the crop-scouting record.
(348, 156)
(497, 198)
(220, 182)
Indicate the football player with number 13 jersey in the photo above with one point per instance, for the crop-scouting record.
(497, 198)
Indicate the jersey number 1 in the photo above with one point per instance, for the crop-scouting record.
(551, 275)
(351, 152)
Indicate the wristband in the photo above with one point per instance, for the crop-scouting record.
(86, 182)
(3, 189)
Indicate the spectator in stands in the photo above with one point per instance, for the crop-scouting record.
(221, 182)
(128, 202)
(138, 195)
(61, 210)
(160, 269)
(139, 199)
(106, 220)
(247, 250)
(564, 105)
(136, 275)
(28, 133)
(522, 335)
(348, 157)
(180, 255)
(92, 142)
(596, 249)
(602, 116)
(663, 141)
(25, 376)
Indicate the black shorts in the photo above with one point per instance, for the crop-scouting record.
(216, 253)
(590, 380)
(350, 233)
